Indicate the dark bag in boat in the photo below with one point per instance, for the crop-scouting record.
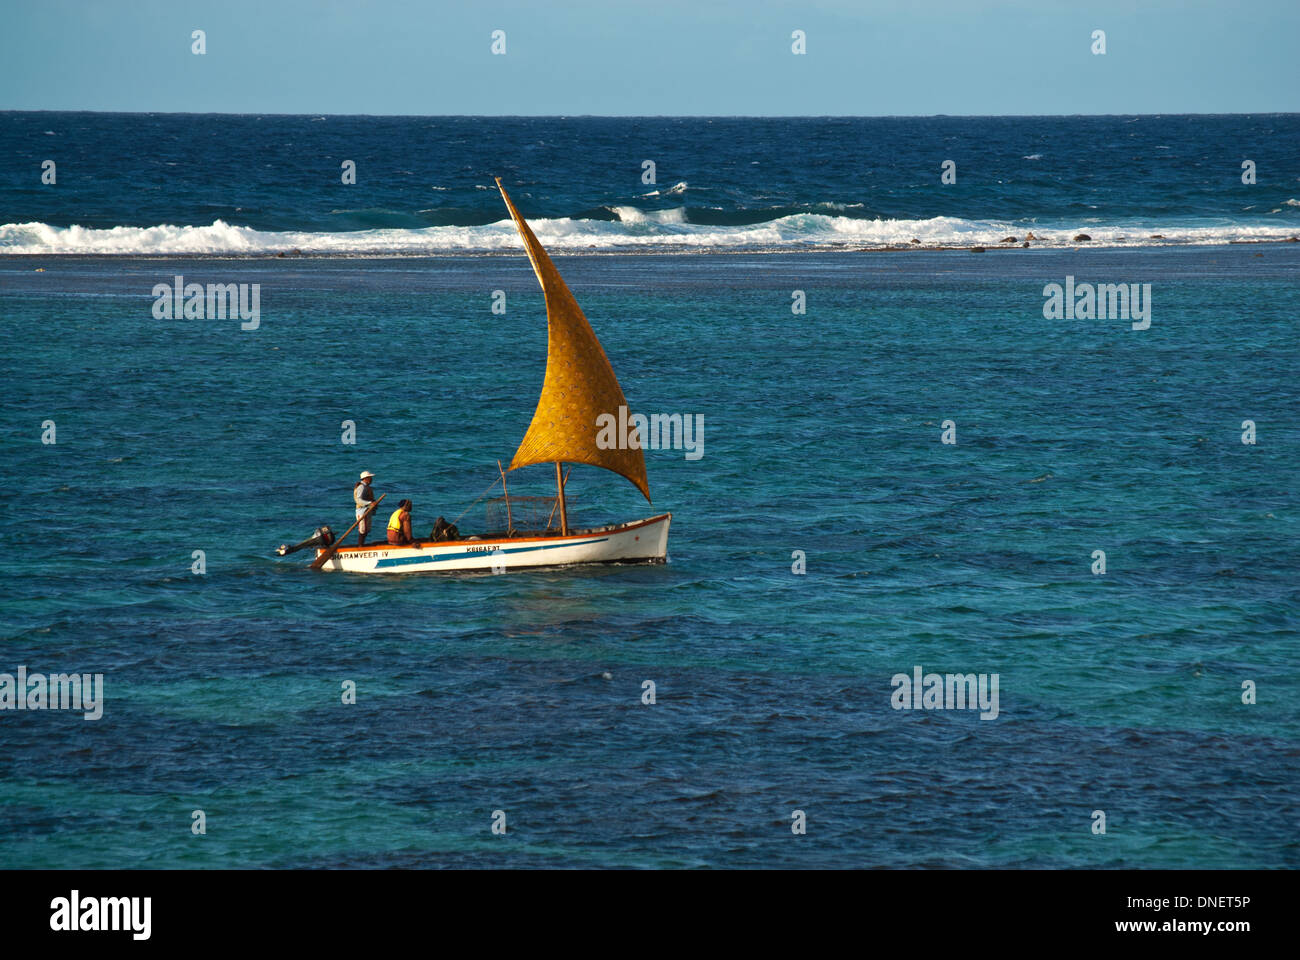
(442, 530)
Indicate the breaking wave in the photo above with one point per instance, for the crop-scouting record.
(621, 228)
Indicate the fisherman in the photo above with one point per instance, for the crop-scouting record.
(363, 497)
(399, 525)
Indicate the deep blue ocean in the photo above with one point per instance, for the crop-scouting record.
(1119, 692)
(183, 184)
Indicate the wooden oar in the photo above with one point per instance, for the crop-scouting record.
(328, 555)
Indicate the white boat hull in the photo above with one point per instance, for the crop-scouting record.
(643, 541)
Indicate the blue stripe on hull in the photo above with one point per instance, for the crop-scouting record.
(406, 561)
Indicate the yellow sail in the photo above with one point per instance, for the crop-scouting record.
(580, 384)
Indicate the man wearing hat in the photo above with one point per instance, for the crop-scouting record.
(363, 497)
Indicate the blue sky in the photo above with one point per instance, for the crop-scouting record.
(668, 57)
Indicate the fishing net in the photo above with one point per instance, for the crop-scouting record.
(532, 516)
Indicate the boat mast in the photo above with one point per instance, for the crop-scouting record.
(510, 521)
(559, 485)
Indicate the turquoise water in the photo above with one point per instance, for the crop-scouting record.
(522, 693)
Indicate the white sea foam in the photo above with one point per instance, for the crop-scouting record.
(666, 230)
(633, 215)
(675, 190)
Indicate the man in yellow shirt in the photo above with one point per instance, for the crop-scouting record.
(399, 525)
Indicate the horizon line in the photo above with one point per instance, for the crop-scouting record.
(653, 116)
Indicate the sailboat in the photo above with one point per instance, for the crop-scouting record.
(579, 387)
